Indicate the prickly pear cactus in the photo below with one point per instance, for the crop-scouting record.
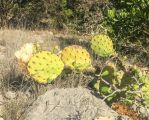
(45, 66)
(76, 58)
(143, 78)
(145, 90)
(102, 45)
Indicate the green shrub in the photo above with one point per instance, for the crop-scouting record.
(80, 15)
(88, 15)
(126, 83)
(128, 19)
(27, 13)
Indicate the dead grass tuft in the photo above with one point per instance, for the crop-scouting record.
(14, 108)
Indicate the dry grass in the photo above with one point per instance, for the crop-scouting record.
(14, 108)
(13, 39)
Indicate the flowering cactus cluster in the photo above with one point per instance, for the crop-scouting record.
(44, 66)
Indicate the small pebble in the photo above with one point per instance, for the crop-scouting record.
(103, 118)
(10, 95)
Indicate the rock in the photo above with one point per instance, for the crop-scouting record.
(2, 49)
(144, 112)
(51, 33)
(1, 105)
(2, 41)
(103, 118)
(68, 104)
(10, 95)
(1, 99)
(2, 56)
(1, 110)
(1, 118)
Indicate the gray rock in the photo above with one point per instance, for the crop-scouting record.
(2, 49)
(144, 112)
(68, 104)
(1, 99)
(1, 118)
(10, 95)
(2, 56)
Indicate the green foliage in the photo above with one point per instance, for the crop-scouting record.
(80, 15)
(143, 78)
(45, 66)
(128, 20)
(120, 85)
(105, 73)
(58, 12)
(88, 15)
(95, 85)
(26, 13)
(76, 58)
(102, 45)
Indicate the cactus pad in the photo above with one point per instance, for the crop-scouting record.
(102, 45)
(45, 67)
(143, 78)
(76, 58)
(145, 89)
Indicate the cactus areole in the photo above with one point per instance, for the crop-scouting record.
(45, 66)
(76, 58)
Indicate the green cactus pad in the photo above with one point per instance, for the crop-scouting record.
(45, 67)
(76, 58)
(102, 45)
(145, 89)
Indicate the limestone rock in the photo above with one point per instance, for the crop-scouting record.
(1, 118)
(68, 104)
(2, 49)
(10, 95)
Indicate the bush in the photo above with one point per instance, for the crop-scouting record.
(81, 15)
(25, 13)
(128, 20)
